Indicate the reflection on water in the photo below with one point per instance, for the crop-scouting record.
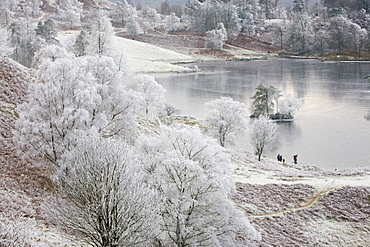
(367, 116)
(288, 133)
(330, 129)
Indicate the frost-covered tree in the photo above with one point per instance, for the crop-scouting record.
(30, 8)
(225, 118)
(100, 37)
(359, 36)
(262, 134)
(247, 6)
(47, 31)
(24, 41)
(216, 38)
(6, 16)
(151, 93)
(124, 12)
(362, 18)
(280, 34)
(107, 203)
(133, 27)
(263, 100)
(165, 8)
(268, 8)
(193, 177)
(8, 4)
(339, 33)
(80, 47)
(5, 49)
(73, 96)
(51, 52)
(151, 16)
(170, 110)
(248, 25)
(205, 16)
(336, 12)
(300, 32)
(299, 6)
(232, 21)
(172, 23)
(321, 36)
(289, 105)
(71, 12)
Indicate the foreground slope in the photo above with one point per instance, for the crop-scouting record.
(23, 186)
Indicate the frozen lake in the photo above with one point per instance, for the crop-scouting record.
(330, 130)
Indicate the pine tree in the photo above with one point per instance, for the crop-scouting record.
(263, 100)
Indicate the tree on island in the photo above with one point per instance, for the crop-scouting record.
(264, 100)
(262, 134)
(289, 106)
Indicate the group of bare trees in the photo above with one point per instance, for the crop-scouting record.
(324, 28)
(328, 26)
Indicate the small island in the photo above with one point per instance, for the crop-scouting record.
(266, 102)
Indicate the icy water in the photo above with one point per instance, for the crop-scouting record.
(330, 130)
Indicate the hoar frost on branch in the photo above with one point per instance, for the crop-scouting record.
(107, 202)
(193, 177)
(73, 96)
(225, 119)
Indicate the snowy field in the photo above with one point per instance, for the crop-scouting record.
(147, 58)
(142, 57)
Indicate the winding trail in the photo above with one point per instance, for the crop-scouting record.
(312, 201)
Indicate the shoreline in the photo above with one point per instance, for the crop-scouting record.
(249, 170)
(148, 59)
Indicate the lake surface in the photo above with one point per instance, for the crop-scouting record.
(330, 130)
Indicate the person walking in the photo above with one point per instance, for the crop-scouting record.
(295, 158)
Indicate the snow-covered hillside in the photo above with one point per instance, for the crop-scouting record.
(142, 57)
(147, 58)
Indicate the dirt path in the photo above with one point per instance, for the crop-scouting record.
(312, 201)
